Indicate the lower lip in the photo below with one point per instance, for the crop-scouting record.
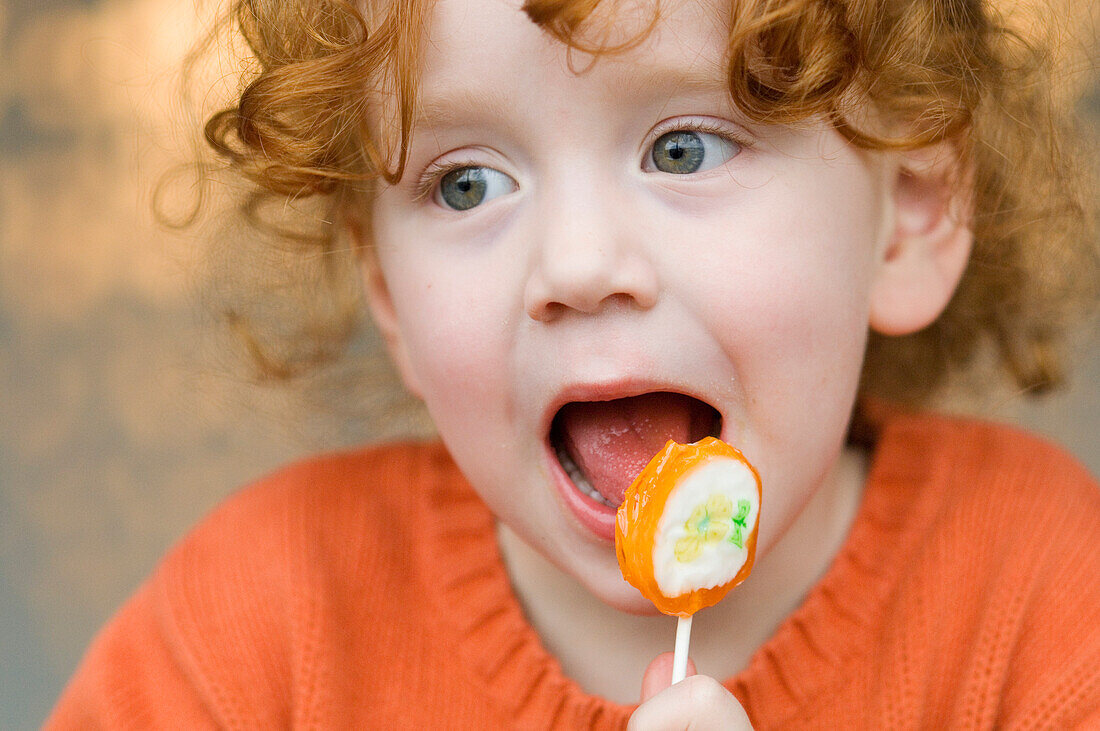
(597, 518)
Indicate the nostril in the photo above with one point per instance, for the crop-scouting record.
(547, 298)
(538, 300)
(622, 300)
(547, 312)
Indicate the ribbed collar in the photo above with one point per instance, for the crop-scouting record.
(808, 654)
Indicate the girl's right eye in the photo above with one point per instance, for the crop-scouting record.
(463, 188)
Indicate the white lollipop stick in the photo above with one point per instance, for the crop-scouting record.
(680, 657)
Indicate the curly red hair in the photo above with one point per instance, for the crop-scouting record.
(932, 71)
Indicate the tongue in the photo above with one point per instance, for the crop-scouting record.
(611, 441)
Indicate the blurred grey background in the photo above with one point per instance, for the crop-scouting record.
(118, 428)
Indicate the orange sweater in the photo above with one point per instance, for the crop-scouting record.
(365, 590)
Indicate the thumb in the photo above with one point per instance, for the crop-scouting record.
(658, 675)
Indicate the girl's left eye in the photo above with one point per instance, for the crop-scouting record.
(685, 151)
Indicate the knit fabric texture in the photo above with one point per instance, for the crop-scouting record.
(366, 590)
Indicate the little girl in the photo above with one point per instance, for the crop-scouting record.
(584, 228)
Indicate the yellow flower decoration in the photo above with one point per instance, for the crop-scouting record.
(710, 523)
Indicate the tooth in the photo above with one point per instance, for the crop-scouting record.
(579, 479)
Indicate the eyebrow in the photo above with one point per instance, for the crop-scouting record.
(450, 108)
(689, 78)
(447, 109)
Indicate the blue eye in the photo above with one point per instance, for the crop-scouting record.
(466, 187)
(685, 151)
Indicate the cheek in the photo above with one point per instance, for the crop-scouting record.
(818, 234)
(789, 284)
(451, 322)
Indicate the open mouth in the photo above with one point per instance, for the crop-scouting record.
(603, 445)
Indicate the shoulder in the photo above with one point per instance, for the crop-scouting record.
(281, 567)
(338, 501)
(264, 519)
(1006, 573)
(996, 489)
(341, 492)
(979, 460)
(252, 615)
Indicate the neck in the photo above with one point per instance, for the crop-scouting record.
(606, 651)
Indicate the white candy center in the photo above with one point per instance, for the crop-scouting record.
(702, 536)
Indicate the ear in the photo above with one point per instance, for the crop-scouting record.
(928, 244)
(380, 304)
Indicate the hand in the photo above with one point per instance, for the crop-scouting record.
(699, 702)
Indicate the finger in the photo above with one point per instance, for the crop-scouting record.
(658, 675)
(699, 703)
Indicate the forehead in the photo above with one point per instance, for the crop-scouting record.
(477, 54)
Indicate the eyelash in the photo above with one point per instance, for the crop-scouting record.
(432, 174)
(703, 126)
(435, 171)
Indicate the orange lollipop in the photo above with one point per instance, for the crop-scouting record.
(685, 533)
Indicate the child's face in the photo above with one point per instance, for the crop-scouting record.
(739, 272)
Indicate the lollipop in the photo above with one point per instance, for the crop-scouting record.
(685, 533)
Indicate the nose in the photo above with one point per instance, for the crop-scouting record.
(587, 253)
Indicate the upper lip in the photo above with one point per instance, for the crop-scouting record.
(612, 389)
